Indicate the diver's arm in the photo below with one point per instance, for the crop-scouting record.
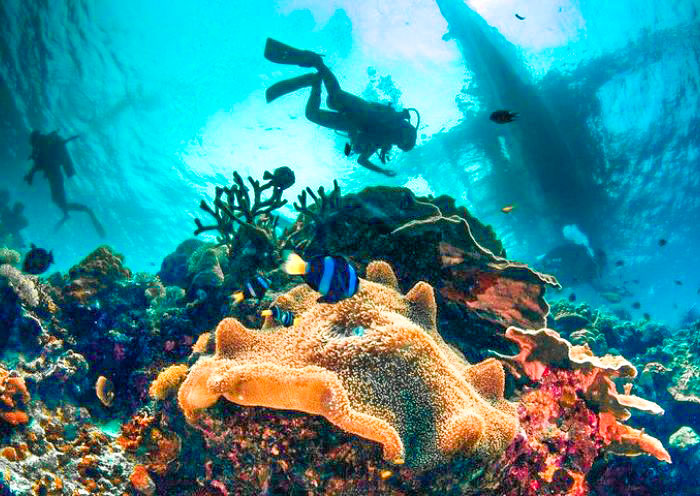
(364, 161)
(30, 175)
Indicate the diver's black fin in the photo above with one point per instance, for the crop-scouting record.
(278, 52)
(289, 85)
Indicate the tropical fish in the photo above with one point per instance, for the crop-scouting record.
(332, 276)
(611, 296)
(647, 316)
(636, 305)
(284, 317)
(348, 149)
(619, 263)
(507, 209)
(572, 297)
(253, 288)
(104, 388)
(518, 16)
(678, 283)
(37, 261)
(663, 242)
(503, 116)
(281, 177)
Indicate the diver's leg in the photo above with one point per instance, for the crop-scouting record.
(339, 100)
(58, 191)
(280, 53)
(289, 85)
(84, 208)
(332, 120)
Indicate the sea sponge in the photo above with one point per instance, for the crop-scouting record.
(373, 365)
(167, 382)
(142, 481)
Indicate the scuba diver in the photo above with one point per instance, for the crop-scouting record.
(371, 127)
(50, 154)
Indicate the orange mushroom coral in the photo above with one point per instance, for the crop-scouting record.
(373, 365)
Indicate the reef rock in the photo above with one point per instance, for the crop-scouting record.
(684, 439)
(373, 365)
(430, 240)
(173, 269)
(96, 273)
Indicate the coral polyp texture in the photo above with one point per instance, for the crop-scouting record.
(373, 365)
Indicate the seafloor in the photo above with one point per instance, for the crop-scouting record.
(447, 373)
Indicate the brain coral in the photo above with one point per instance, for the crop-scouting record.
(373, 365)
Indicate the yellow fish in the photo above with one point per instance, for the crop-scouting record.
(507, 209)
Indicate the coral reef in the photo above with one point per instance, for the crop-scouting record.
(373, 364)
(434, 241)
(173, 270)
(95, 274)
(9, 256)
(168, 381)
(247, 226)
(60, 453)
(13, 397)
(544, 349)
(372, 381)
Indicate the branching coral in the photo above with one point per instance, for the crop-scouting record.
(236, 213)
(374, 365)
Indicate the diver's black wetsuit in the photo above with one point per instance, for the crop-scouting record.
(51, 156)
(371, 126)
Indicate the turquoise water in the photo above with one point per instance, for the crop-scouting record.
(596, 182)
(169, 100)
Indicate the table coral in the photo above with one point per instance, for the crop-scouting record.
(373, 365)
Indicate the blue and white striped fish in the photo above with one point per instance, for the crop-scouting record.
(255, 287)
(284, 317)
(332, 276)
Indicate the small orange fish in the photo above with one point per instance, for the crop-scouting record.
(507, 209)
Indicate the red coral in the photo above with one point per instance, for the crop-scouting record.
(13, 397)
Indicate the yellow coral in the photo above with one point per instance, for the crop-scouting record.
(202, 343)
(167, 382)
(373, 365)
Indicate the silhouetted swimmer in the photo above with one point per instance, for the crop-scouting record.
(12, 220)
(371, 127)
(50, 155)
